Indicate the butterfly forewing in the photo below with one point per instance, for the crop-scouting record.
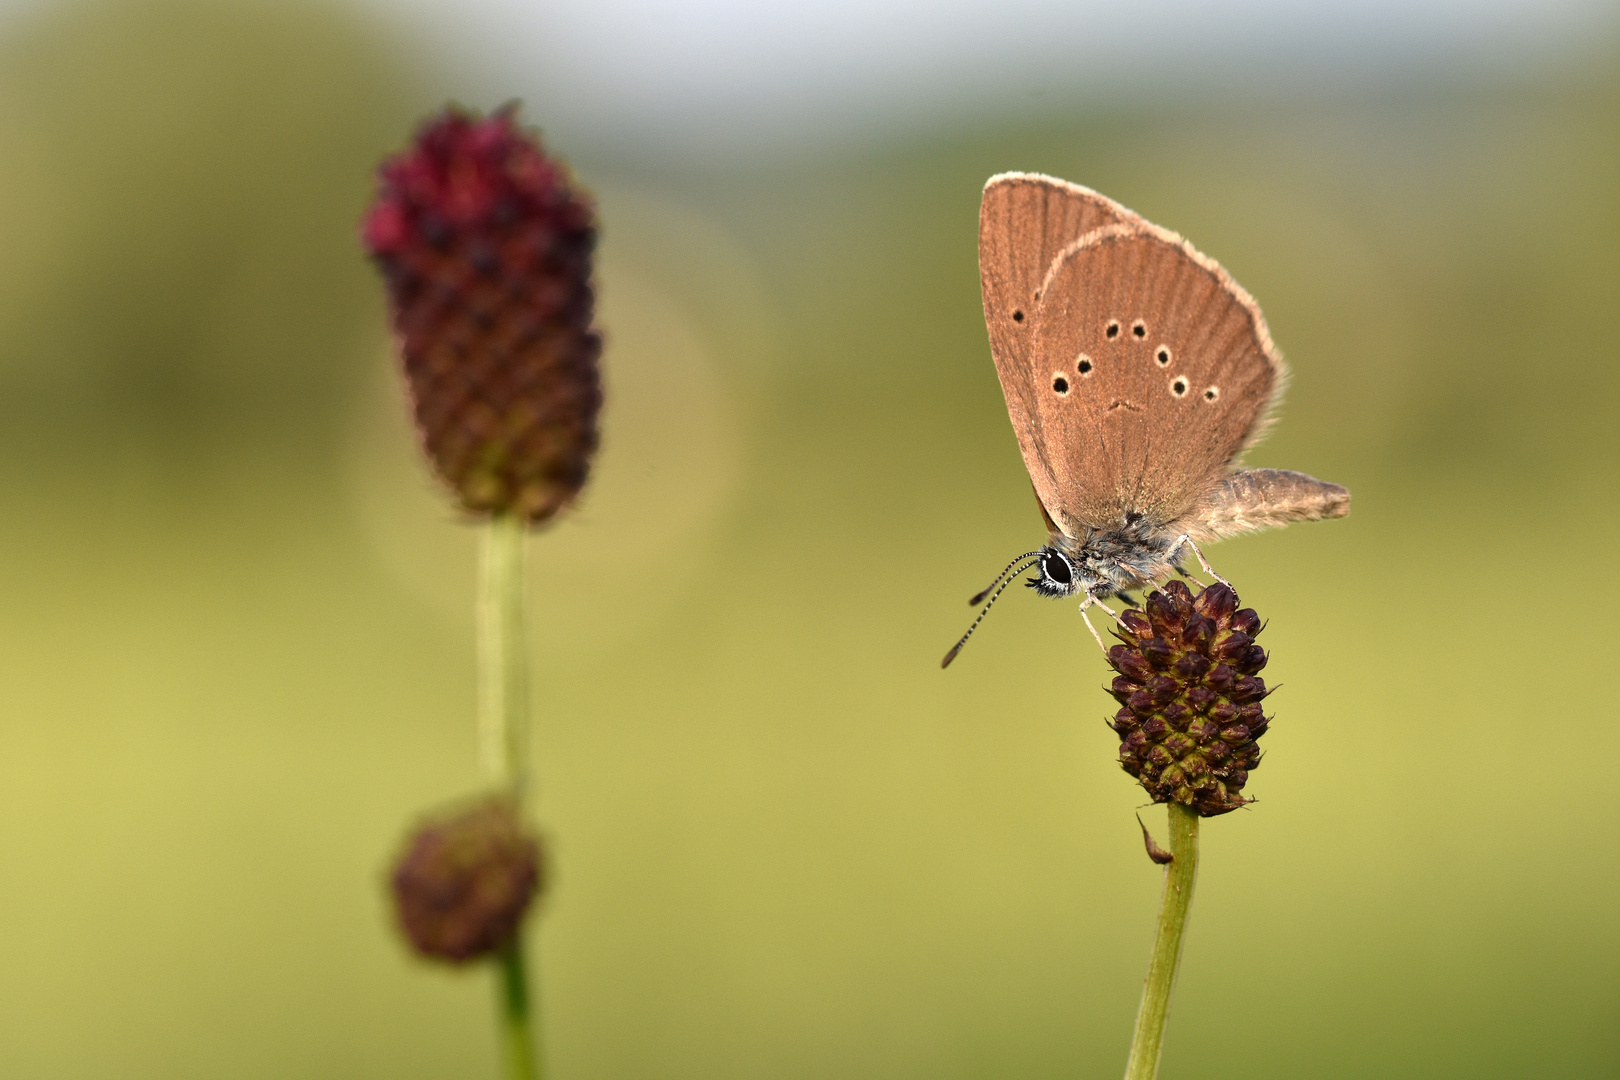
(1150, 370)
(1025, 221)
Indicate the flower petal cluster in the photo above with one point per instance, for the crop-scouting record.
(1190, 691)
(486, 244)
(465, 881)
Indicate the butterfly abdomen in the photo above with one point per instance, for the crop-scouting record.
(1252, 499)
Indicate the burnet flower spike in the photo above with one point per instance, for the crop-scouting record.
(465, 880)
(1190, 689)
(485, 245)
(1190, 697)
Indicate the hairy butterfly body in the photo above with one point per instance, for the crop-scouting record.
(1136, 372)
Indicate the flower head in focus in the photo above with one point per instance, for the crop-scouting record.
(1190, 694)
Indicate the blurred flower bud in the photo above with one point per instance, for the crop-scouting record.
(1187, 678)
(465, 880)
(485, 245)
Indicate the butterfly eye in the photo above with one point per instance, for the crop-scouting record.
(1018, 316)
(1084, 366)
(1060, 385)
(1139, 328)
(1163, 356)
(1212, 393)
(1179, 388)
(1113, 328)
(1056, 567)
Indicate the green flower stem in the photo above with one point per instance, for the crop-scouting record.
(522, 1058)
(1179, 877)
(503, 690)
(503, 736)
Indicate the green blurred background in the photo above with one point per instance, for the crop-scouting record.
(235, 615)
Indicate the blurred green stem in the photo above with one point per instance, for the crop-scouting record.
(503, 714)
(503, 736)
(1179, 876)
(522, 1061)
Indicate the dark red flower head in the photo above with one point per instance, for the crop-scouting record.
(485, 244)
(465, 880)
(1190, 690)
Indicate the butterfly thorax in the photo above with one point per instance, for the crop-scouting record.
(1105, 562)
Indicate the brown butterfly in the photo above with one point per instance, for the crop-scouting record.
(1136, 372)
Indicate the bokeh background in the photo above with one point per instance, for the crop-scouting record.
(236, 653)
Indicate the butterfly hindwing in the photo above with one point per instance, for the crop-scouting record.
(1148, 370)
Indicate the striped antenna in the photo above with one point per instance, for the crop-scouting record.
(982, 593)
(1006, 578)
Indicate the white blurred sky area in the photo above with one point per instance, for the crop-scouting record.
(736, 74)
(718, 73)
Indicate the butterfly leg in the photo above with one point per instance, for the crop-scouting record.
(1088, 602)
(1208, 569)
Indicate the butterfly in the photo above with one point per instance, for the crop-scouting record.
(1136, 372)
